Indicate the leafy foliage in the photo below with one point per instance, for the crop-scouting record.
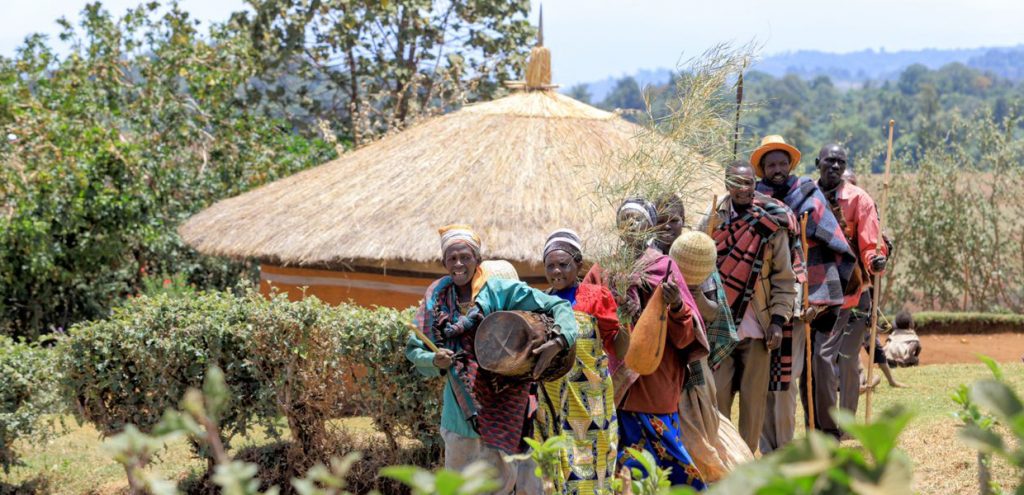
(967, 322)
(305, 360)
(965, 204)
(816, 464)
(985, 404)
(25, 396)
(198, 419)
(811, 111)
(376, 67)
(143, 122)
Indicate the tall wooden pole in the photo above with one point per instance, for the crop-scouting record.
(739, 105)
(877, 282)
(808, 348)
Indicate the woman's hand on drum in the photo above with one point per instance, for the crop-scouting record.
(670, 293)
(546, 353)
(443, 358)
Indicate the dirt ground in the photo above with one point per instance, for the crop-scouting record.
(947, 349)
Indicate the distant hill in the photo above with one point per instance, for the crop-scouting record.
(600, 89)
(852, 69)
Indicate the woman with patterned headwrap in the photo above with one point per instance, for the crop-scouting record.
(483, 415)
(580, 404)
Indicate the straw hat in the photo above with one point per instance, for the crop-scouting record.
(696, 254)
(771, 143)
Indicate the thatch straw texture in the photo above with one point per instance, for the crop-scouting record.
(515, 169)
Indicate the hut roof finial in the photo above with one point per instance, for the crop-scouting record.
(540, 27)
(538, 68)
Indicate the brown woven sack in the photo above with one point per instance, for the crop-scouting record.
(647, 340)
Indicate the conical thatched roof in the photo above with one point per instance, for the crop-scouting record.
(515, 169)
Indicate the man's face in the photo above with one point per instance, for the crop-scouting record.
(461, 263)
(776, 167)
(831, 164)
(739, 182)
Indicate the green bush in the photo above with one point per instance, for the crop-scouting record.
(400, 401)
(131, 367)
(26, 394)
(306, 361)
(930, 322)
(107, 147)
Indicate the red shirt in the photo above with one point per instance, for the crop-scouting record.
(862, 225)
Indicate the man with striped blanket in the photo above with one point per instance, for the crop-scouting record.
(830, 263)
(755, 263)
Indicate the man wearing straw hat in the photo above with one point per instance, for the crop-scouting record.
(483, 414)
(857, 216)
(829, 267)
(756, 266)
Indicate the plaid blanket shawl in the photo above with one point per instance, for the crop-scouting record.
(489, 402)
(741, 244)
(830, 262)
(722, 336)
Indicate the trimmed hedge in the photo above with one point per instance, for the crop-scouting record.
(936, 322)
(26, 394)
(306, 361)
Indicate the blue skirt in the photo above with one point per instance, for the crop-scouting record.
(660, 435)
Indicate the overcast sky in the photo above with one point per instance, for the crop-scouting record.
(593, 39)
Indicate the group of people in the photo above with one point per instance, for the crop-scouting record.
(778, 253)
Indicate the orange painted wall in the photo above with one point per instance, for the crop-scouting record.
(335, 287)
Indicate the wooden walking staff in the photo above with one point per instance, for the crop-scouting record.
(426, 340)
(808, 349)
(877, 282)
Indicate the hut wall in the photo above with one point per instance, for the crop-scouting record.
(336, 287)
(364, 289)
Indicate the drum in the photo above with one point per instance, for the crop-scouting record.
(505, 341)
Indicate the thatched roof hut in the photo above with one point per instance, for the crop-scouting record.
(366, 223)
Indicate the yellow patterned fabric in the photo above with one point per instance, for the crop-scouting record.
(581, 405)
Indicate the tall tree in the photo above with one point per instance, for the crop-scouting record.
(374, 66)
(580, 92)
(625, 95)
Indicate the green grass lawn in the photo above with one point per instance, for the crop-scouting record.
(942, 464)
(75, 463)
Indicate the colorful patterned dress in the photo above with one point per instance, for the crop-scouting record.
(581, 403)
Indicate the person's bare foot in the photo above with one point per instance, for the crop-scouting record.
(896, 384)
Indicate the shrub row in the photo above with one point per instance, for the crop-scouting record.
(27, 380)
(306, 361)
(937, 322)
